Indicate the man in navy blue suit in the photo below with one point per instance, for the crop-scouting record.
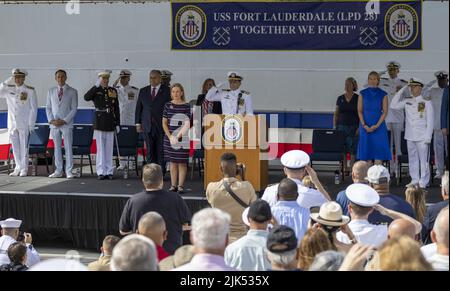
(149, 110)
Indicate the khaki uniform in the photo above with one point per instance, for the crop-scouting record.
(218, 197)
(101, 264)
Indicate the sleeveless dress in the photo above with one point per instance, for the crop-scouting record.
(374, 145)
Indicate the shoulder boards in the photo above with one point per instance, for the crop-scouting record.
(245, 92)
(226, 90)
(29, 87)
(427, 98)
(11, 85)
(403, 81)
(408, 97)
(270, 185)
(384, 78)
(135, 88)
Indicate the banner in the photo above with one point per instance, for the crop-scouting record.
(297, 25)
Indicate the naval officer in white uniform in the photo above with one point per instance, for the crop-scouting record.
(418, 130)
(234, 100)
(295, 164)
(22, 111)
(61, 107)
(10, 232)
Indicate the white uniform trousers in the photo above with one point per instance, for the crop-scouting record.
(66, 133)
(440, 151)
(104, 158)
(396, 139)
(19, 141)
(419, 166)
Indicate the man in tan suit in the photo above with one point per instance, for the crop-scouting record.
(102, 264)
(238, 196)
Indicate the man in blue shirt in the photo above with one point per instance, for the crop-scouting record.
(359, 174)
(287, 211)
(378, 178)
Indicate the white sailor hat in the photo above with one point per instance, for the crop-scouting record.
(415, 82)
(234, 76)
(10, 223)
(166, 73)
(125, 73)
(393, 64)
(105, 73)
(19, 72)
(378, 174)
(362, 195)
(295, 159)
(441, 74)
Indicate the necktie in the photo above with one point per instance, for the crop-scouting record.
(153, 93)
(60, 93)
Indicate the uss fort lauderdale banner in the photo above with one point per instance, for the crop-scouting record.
(297, 25)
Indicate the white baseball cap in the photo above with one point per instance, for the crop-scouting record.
(378, 175)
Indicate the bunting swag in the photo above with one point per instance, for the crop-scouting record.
(297, 25)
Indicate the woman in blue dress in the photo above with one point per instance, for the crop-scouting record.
(372, 110)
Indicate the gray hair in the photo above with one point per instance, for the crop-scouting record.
(152, 175)
(210, 228)
(440, 227)
(445, 182)
(134, 253)
(151, 222)
(282, 259)
(327, 261)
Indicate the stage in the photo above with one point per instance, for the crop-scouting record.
(81, 212)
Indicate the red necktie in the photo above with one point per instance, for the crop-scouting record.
(60, 93)
(153, 93)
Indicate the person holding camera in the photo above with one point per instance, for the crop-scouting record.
(10, 234)
(232, 195)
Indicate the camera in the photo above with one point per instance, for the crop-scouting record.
(20, 237)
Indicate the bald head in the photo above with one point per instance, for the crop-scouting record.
(359, 171)
(401, 227)
(440, 229)
(153, 226)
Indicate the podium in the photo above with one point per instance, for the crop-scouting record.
(244, 136)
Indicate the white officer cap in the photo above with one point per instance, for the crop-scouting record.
(10, 223)
(19, 72)
(415, 82)
(166, 73)
(295, 159)
(105, 73)
(234, 76)
(378, 175)
(441, 74)
(362, 195)
(125, 73)
(393, 64)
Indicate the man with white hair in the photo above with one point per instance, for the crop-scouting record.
(134, 253)
(440, 236)
(22, 111)
(153, 226)
(433, 210)
(296, 167)
(10, 234)
(419, 128)
(209, 235)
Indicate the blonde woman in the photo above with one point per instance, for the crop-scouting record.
(314, 242)
(415, 196)
(176, 124)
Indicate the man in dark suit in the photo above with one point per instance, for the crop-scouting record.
(444, 119)
(433, 211)
(149, 110)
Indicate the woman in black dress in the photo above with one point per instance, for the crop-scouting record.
(346, 119)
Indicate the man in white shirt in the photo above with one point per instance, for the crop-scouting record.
(249, 252)
(10, 232)
(418, 130)
(439, 140)
(22, 111)
(296, 167)
(234, 100)
(127, 103)
(61, 107)
(440, 236)
(395, 119)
